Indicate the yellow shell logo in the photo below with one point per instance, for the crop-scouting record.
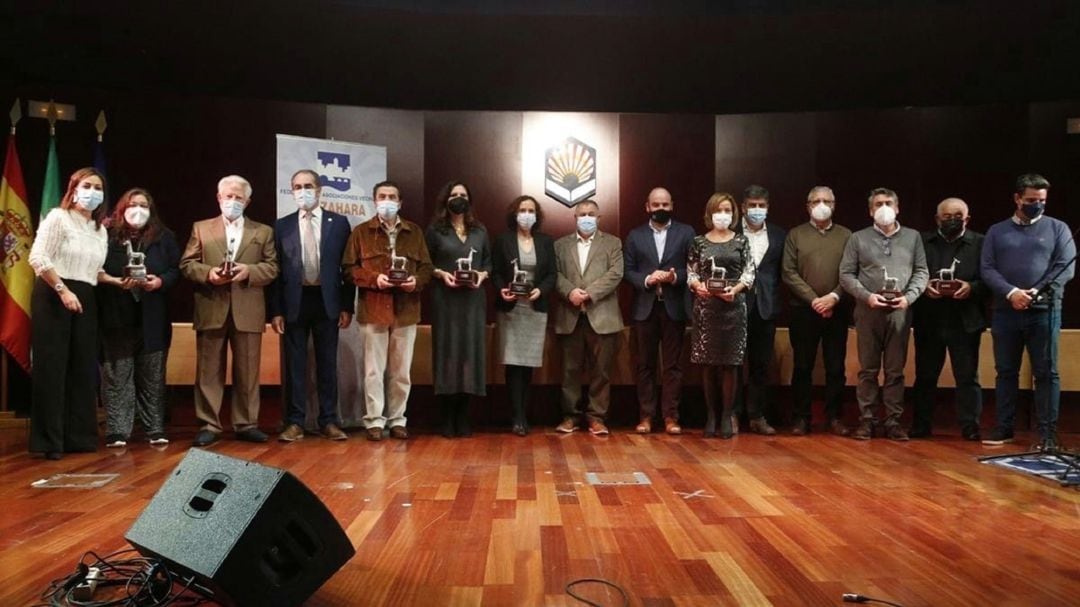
(570, 172)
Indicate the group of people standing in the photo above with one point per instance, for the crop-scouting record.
(312, 274)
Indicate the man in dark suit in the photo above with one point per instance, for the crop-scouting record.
(654, 262)
(311, 296)
(762, 304)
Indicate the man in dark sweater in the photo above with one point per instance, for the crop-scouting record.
(1025, 263)
(820, 310)
(884, 269)
(950, 316)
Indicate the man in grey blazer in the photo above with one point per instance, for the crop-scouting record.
(589, 266)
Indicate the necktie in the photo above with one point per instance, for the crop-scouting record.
(311, 250)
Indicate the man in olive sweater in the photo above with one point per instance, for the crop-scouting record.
(884, 269)
(820, 310)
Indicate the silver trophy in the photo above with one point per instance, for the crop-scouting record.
(520, 286)
(464, 274)
(228, 269)
(889, 290)
(136, 265)
(946, 282)
(718, 282)
(398, 272)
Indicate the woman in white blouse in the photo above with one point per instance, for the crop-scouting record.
(67, 256)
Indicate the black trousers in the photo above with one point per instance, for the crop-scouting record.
(518, 379)
(931, 343)
(659, 334)
(807, 329)
(312, 321)
(64, 375)
(755, 400)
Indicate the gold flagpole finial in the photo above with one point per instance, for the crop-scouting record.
(101, 124)
(52, 114)
(15, 114)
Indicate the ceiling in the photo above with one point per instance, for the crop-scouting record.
(606, 55)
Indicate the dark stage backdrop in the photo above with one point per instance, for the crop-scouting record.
(178, 147)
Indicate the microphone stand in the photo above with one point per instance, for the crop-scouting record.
(1044, 296)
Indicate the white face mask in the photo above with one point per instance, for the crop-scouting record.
(232, 209)
(136, 217)
(88, 198)
(721, 220)
(306, 199)
(387, 210)
(885, 216)
(526, 220)
(821, 212)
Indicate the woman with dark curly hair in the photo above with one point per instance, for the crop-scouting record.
(135, 327)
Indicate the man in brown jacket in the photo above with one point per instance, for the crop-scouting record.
(589, 266)
(229, 309)
(387, 311)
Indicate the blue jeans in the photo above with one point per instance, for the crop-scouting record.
(1038, 331)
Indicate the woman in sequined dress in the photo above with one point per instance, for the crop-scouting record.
(718, 339)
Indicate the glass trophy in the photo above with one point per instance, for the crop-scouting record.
(718, 282)
(465, 275)
(889, 290)
(398, 272)
(136, 265)
(520, 286)
(946, 282)
(228, 268)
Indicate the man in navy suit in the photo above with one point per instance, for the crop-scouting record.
(654, 260)
(311, 296)
(762, 304)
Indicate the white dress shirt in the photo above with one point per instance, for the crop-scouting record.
(759, 241)
(234, 231)
(583, 247)
(317, 225)
(70, 245)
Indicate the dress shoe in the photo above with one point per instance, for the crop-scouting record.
(644, 426)
(399, 432)
(252, 435)
(205, 438)
(292, 432)
(374, 434)
(597, 428)
(896, 433)
(801, 428)
(567, 425)
(761, 426)
(333, 432)
(838, 428)
(998, 436)
(671, 426)
(520, 429)
(865, 431)
(54, 455)
(971, 433)
(115, 441)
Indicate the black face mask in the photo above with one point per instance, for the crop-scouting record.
(1031, 211)
(661, 216)
(951, 228)
(458, 205)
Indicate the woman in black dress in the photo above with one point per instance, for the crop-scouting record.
(718, 339)
(135, 327)
(456, 240)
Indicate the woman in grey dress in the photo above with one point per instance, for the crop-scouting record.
(718, 339)
(522, 318)
(456, 240)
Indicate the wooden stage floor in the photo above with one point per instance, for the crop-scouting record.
(501, 520)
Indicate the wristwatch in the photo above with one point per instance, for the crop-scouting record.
(60, 287)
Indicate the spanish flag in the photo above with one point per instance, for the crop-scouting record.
(16, 275)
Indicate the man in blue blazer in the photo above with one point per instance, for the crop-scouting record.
(311, 296)
(654, 261)
(762, 304)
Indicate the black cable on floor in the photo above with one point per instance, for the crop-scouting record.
(592, 580)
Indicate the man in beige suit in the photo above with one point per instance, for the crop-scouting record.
(229, 309)
(587, 317)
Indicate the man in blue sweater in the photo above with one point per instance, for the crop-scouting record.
(1021, 260)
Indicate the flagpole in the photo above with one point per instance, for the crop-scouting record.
(4, 382)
